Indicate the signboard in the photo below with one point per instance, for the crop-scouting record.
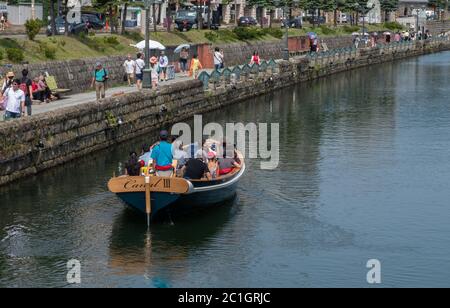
(157, 184)
(3, 7)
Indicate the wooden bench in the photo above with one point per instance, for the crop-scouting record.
(51, 83)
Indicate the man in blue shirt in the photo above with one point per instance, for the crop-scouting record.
(162, 155)
(99, 79)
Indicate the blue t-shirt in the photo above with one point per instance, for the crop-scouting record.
(162, 153)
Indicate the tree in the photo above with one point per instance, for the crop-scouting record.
(124, 16)
(388, 6)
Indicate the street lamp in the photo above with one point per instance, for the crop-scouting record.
(286, 25)
(364, 10)
(147, 80)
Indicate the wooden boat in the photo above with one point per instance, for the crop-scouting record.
(157, 196)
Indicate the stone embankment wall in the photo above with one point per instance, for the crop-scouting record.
(30, 145)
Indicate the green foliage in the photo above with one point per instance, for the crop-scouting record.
(275, 32)
(248, 33)
(9, 43)
(133, 35)
(33, 27)
(393, 25)
(389, 5)
(14, 55)
(211, 36)
(350, 29)
(1, 55)
(326, 30)
(111, 40)
(48, 50)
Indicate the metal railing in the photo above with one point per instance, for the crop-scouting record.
(232, 75)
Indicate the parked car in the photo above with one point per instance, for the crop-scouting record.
(294, 22)
(186, 20)
(247, 21)
(60, 26)
(317, 20)
(74, 28)
(92, 21)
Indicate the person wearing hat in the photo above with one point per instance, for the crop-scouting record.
(99, 79)
(154, 71)
(162, 155)
(7, 82)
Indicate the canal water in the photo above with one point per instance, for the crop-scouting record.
(364, 174)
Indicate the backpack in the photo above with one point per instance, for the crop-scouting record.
(23, 86)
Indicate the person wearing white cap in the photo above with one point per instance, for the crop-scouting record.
(99, 79)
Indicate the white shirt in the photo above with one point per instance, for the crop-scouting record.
(129, 66)
(218, 58)
(140, 65)
(163, 61)
(15, 100)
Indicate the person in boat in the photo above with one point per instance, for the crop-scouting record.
(213, 165)
(228, 162)
(178, 153)
(196, 169)
(162, 155)
(132, 166)
(145, 157)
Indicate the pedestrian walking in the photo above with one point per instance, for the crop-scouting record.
(99, 79)
(218, 58)
(195, 66)
(140, 65)
(2, 22)
(130, 69)
(163, 63)
(15, 101)
(26, 85)
(154, 71)
(255, 58)
(184, 55)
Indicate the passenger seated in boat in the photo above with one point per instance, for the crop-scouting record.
(213, 165)
(195, 169)
(227, 163)
(145, 155)
(132, 166)
(162, 156)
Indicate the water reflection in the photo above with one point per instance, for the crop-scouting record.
(134, 250)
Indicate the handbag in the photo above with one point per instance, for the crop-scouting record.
(125, 77)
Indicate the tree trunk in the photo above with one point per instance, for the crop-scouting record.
(209, 15)
(124, 17)
(168, 16)
(111, 22)
(66, 24)
(199, 16)
(335, 18)
(159, 14)
(270, 17)
(154, 17)
(52, 15)
(357, 18)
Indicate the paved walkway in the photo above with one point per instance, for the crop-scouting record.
(87, 97)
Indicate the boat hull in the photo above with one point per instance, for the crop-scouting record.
(204, 195)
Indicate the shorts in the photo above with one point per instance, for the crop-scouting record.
(140, 76)
(163, 69)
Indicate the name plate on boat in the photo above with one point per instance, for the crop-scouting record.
(157, 184)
